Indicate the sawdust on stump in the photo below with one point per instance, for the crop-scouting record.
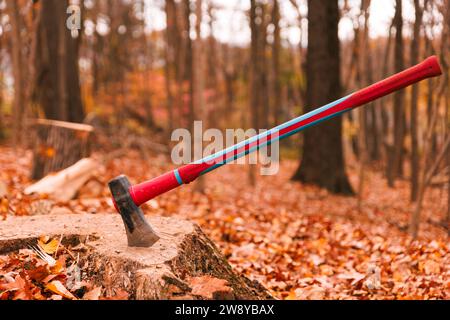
(184, 264)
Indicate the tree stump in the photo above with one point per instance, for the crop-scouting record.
(59, 145)
(183, 264)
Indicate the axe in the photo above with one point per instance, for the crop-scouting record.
(127, 198)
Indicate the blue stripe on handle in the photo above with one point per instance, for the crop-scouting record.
(288, 134)
(177, 175)
(306, 116)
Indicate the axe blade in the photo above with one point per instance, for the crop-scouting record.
(139, 232)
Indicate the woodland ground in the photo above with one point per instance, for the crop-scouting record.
(299, 241)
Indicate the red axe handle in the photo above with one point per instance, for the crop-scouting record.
(148, 190)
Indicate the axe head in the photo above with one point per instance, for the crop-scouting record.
(139, 232)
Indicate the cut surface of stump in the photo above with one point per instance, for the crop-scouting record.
(59, 145)
(183, 264)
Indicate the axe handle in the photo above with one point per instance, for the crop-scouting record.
(148, 190)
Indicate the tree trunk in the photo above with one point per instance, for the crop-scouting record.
(198, 63)
(263, 73)
(59, 145)
(276, 50)
(414, 101)
(399, 97)
(385, 127)
(372, 141)
(2, 76)
(364, 75)
(323, 156)
(169, 66)
(57, 86)
(427, 176)
(18, 71)
(230, 75)
(189, 62)
(255, 70)
(255, 66)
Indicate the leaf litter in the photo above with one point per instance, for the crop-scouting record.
(297, 240)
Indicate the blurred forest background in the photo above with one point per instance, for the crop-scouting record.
(137, 70)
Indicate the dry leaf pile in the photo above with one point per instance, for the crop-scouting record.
(48, 270)
(299, 241)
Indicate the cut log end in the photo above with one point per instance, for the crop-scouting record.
(59, 145)
(183, 264)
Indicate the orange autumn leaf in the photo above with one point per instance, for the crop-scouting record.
(48, 245)
(94, 294)
(58, 288)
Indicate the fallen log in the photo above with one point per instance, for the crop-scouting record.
(64, 185)
(183, 264)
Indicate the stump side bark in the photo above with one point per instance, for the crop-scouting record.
(59, 145)
(168, 270)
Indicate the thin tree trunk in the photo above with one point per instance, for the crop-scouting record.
(445, 92)
(385, 127)
(255, 65)
(2, 128)
(372, 140)
(18, 71)
(198, 78)
(399, 97)
(431, 103)
(181, 47)
(214, 79)
(414, 101)
(426, 179)
(447, 220)
(230, 76)
(189, 63)
(264, 72)
(363, 74)
(170, 10)
(62, 57)
(276, 49)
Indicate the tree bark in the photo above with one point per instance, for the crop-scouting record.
(170, 57)
(427, 176)
(414, 101)
(2, 126)
(19, 71)
(365, 77)
(447, 104)
(385, 128)
(399, 97)
(276, 50)
(57, 86)
(323, 156)
(255, 70)
(371, 132)
(189, 62)
(198, 78)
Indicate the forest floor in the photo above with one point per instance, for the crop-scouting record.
(299, 241)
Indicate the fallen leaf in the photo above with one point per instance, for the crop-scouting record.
(49, 246)
(58, 288)
(119, 295)
(430, 267)
(211, 288)
(94, 294)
